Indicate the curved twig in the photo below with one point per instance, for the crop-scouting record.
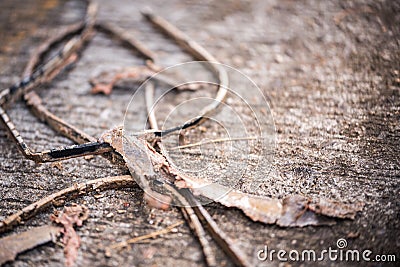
(81, 188)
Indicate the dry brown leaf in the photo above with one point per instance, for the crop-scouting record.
(291, 211)
(294, 210)
(70, 216)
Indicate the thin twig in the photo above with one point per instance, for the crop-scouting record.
(81, 188)
(194, 224)
(229, 247)
(200, 53)
(128, 39)
(144, 237)
(149, 97)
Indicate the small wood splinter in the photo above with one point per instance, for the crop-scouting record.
(124, 244)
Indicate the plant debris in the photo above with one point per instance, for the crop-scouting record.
(291, 211)
(77, 189)
(12, 245)
(106, 81)
(137, 239)
(70, 216)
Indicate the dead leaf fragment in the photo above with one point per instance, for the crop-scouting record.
(292, 211)
(70, 216)
(296, 212)
(105, 81)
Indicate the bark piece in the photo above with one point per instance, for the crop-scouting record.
(12, 245)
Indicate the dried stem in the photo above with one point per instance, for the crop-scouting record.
(220, 140)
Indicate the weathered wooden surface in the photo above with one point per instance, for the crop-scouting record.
(329, 69)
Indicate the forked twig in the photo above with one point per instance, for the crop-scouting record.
(229, 247)
(194, 223)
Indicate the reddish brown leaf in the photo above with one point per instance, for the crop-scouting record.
(291, 211)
